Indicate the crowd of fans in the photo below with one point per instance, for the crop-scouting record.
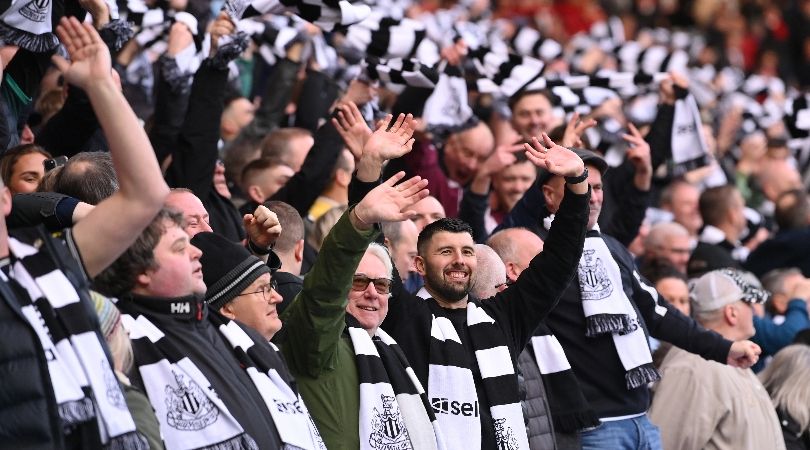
(405, 224)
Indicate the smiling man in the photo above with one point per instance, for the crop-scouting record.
(352, 374)
(464, 349)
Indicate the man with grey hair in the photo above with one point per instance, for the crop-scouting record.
(669, 241)
(490, 275)
(719, 405)
(352, 373)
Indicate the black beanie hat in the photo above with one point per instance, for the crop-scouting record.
(228, 268)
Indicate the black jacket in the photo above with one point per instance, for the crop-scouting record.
(517, 310)
(205, 346)
(595, 360)
(29, 415)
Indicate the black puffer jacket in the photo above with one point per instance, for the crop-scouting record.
(27, 405)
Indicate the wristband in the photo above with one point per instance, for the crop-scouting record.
(578, 179)
(259, 250)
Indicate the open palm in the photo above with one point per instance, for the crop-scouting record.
(554, 158)
(388, 202)
(89, 57)
(390, 143)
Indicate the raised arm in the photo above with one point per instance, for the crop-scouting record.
(538, 289)
(116, 222)
(315, 319)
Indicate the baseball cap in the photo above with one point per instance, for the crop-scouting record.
(719, 288)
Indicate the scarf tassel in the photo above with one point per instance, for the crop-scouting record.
(117, 33)
(241, 442)
(575, 421)
(599, 324)
(128, 441)
(641, 375)
(32, 42)
(74, 412)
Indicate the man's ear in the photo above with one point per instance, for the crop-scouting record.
(548, 194)
(227, 311)
(299, 251)
(255, 193)
(343, 178)
(143, 279)
(730, 314)
(419, 265)
(511, 271)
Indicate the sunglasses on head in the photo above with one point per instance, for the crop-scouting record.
(361, 281)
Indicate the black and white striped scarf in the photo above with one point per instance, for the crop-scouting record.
(394, 407)
(569, 409)
(83, 382)
(191, 414)
(30, 24)
(452, 389)
(608, 310)
(326, 14)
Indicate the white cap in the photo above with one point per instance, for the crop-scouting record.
(719, 288)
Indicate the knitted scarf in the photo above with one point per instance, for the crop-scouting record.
(452, 388)
(394, 408)
(608, 310)
(29, 24)
(84, 384)
(569, 409)
(191, 415)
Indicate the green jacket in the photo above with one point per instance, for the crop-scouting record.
(318, 353)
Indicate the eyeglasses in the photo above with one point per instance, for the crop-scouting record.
(265, 290)
(381, 285)
(505, 284)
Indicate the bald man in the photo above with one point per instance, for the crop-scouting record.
(516, 247)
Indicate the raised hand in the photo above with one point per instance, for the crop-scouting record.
(574, 131)
(638, 151)
(554, 158)
(352, 127)
(388, 202)
(263, 227)
(89, 57)
(390, 143)
(222, 26)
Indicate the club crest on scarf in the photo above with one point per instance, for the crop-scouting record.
(114, 395)
(389, 428)
(36, 10)
(504, 437)
(593, 279)
(189, 407)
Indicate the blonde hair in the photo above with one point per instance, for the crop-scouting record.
(121, 349)
(787, 380)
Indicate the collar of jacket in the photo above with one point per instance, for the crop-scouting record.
(189, 308)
